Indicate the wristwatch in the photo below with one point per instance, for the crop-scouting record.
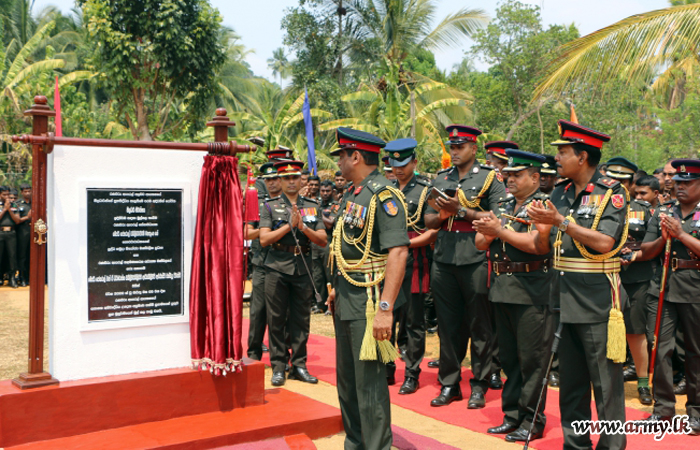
(462, 212)
(564, 225)
(384, 305)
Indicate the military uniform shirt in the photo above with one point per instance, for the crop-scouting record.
(519, 288)
(389, 231)
(640, 216)
(258, 251)
(6, 219)
(276, 213)
(412, 193)
(458, 248)
(682, 284)
(331, 208)
(586, 297)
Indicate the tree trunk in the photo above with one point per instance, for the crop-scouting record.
(340, 43)
(143, 133)
(520, 120)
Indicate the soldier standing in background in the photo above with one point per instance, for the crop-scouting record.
(329, 210)
(24, 233)
(9, 218)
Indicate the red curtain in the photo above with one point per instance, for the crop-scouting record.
(218, 267)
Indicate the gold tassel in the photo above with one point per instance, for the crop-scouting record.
(617, 342)
(368, 351)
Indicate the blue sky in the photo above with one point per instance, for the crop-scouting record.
(258, 21)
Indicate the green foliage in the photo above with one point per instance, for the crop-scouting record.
(157, 59)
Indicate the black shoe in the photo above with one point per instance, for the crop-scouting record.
(409, 386)
(301, 374)
(316, 310)
(448, 394)
(630, 373)
(521, 435)
(432, 330)
(265, 349)
(434, 364)
(644, 395)
(22, 283)
(694, 424)
(655, 418)
(495, 381)
(277, 379)
(680, 388)
(476, 401)
(13, 283)
(678, 376)
(503, 428)
(327, 313)
(554, 379)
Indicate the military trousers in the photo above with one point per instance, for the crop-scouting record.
(321, 277)
(363, 393)
(258, 314)
(685, 316)
(525, 333)
(23, 241)
(410, 336)
(582, 362)
(463, 311)
(288, 302)
(8, 249)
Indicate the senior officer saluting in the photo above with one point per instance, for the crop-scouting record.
(370, 244)
(465, 192)
(288, 224)
(636, 276)
(680, 222)
(416, 283)
(520, 274)
(589, 215)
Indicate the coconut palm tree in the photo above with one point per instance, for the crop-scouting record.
(279, 64)
(638, 48)
(400, 26)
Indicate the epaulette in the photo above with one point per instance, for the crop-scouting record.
(541, 196)
(422, 182)
(376, 186)
(272, 199)
(607, 182)
(309, 199)
(445, 170)
(484, 166)
(643, 202)
(559, 183)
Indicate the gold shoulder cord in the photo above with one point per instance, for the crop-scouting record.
(473, 204)
(415, 218)
(616, 347)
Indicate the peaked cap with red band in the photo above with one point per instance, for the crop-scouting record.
(686, 169)
(498, 148)
(459, 134)
(573, 133)
(279, 153)
(357, 140)
(288, 168)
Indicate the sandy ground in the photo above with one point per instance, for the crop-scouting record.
(14, 311)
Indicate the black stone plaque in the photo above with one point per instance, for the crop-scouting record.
(135, 253)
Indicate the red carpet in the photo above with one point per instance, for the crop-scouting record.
(321, 363)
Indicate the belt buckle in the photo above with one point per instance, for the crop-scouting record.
(297, 251)
(495, 268)
(674, 264)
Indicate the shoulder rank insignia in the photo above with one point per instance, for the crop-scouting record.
(618, 201)
(609, 182)
(390, 207)
(384, 195)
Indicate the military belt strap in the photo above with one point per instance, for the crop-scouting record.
(305, 249)
(684, 264)
(509, 267)
(582, 265)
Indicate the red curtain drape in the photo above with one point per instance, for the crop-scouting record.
(216, 285)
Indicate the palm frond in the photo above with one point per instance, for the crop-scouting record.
(640, 45)
(33, 69)
(75, 77)
(454, 28)
(27, 50)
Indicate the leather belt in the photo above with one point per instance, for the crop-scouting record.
(6, 229)
(305, 249)
(459, 226)
(633, 246)
(582, 265)
(684, 264)
(509, 267)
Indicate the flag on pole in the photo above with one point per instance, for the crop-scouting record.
(574, 118)
(57, 107)
(311, 155)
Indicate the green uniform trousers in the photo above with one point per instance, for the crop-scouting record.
(362, 390)
(463, 312)
(582, 362)
(258, 314)
(525, 335)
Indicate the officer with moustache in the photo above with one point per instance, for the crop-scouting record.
(461, 194)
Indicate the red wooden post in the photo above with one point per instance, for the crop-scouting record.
(36, 376)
